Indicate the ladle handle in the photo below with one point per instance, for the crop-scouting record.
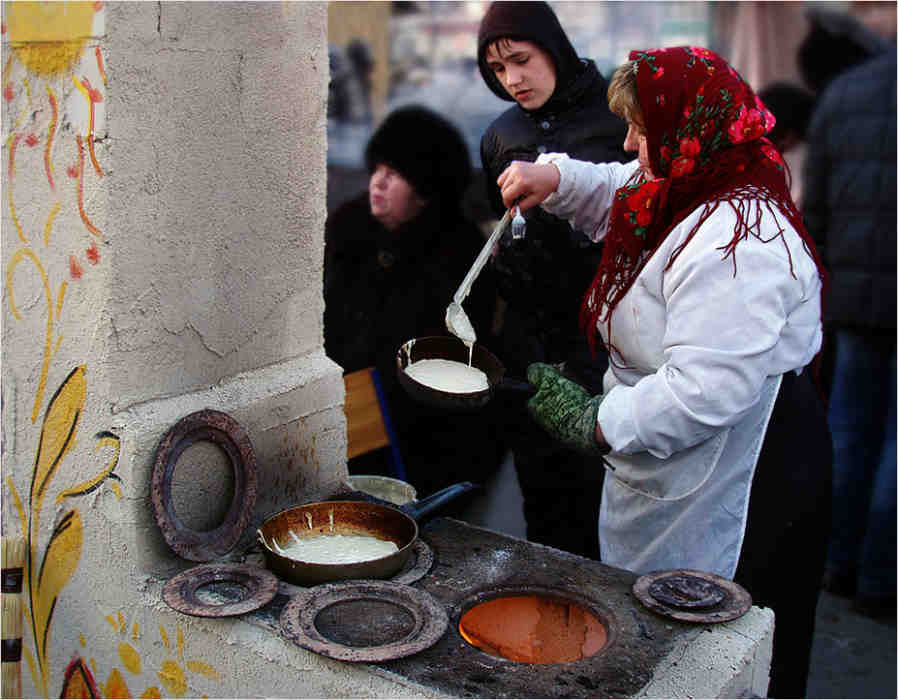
(465, 286)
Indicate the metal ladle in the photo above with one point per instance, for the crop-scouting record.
(457, 321)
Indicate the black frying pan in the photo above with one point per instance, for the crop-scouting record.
(448, 347)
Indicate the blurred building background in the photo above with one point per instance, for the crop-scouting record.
(387, 54)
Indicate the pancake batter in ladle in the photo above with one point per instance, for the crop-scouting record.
(457, 321)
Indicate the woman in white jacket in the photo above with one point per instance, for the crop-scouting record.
(708, 299)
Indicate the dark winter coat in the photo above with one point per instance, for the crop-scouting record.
(382, 289)
(849, 196)
(545, 276)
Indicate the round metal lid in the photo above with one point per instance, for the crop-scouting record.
(253, 587)
(366, 620)
(219, 428)
(692, 596)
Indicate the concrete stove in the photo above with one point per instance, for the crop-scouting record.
(643, 654)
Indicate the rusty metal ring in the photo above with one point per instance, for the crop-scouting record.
(299, 617)
(180, 591)
(219, 428)
(732, 602)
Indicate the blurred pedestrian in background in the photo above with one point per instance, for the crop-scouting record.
(349, 89)
(561, 105)
(394, 257)
(850, 207)
(835, 42)
(791, 104)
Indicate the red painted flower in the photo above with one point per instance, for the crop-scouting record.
(665, 152)
(700, 52)
(75, 268)
(73, 171)
(642, 202)
(93, 253)
(658, 73)
(31, 140)
(93, 94)
(747, 127)
(8, 94)
(681, 166)
(690, 147)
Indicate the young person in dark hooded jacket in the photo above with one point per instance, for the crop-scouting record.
(561, 106)
(394, 256)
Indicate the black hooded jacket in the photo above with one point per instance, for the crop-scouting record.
(544, 277)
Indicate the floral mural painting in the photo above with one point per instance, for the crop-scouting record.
(172, 674)
(49, 569)
(47, 43)
(47, 69)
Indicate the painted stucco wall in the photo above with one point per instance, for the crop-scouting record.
(164, 192)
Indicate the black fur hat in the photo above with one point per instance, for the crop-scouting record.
(526, 21)
(426, 149)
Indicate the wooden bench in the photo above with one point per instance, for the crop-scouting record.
(368, 425)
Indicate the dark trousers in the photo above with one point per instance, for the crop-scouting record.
(561, 488)
(786, 538)
(561, 491)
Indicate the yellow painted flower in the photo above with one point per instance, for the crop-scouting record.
(48, 41)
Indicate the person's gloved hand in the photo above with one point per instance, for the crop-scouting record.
(564, 409)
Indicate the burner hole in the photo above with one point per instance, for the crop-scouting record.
(221, 592)
(365, 622)
(202, 486)
(533, 629)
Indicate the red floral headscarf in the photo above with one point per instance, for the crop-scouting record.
(705, 129)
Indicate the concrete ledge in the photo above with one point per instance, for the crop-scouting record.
(729, 660)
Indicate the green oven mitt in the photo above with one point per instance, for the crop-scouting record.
(564, 409)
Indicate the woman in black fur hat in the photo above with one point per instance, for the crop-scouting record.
(561, 106)
(394, 257)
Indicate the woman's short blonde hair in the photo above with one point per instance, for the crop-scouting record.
(623, 97)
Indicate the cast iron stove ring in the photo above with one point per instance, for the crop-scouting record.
(224, 431)
(180, 591)
(301, 617)
(692, 596)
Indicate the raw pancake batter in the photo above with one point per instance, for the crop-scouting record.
(336, 549)
(448, 375)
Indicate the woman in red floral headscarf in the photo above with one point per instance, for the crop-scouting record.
(708, 298)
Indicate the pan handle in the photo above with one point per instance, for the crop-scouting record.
(418, 509)
(517, 386)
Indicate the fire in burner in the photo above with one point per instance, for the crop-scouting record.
(533, 629)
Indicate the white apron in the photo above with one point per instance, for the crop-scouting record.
(687, 511)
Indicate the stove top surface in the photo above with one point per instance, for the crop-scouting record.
(473, 565)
